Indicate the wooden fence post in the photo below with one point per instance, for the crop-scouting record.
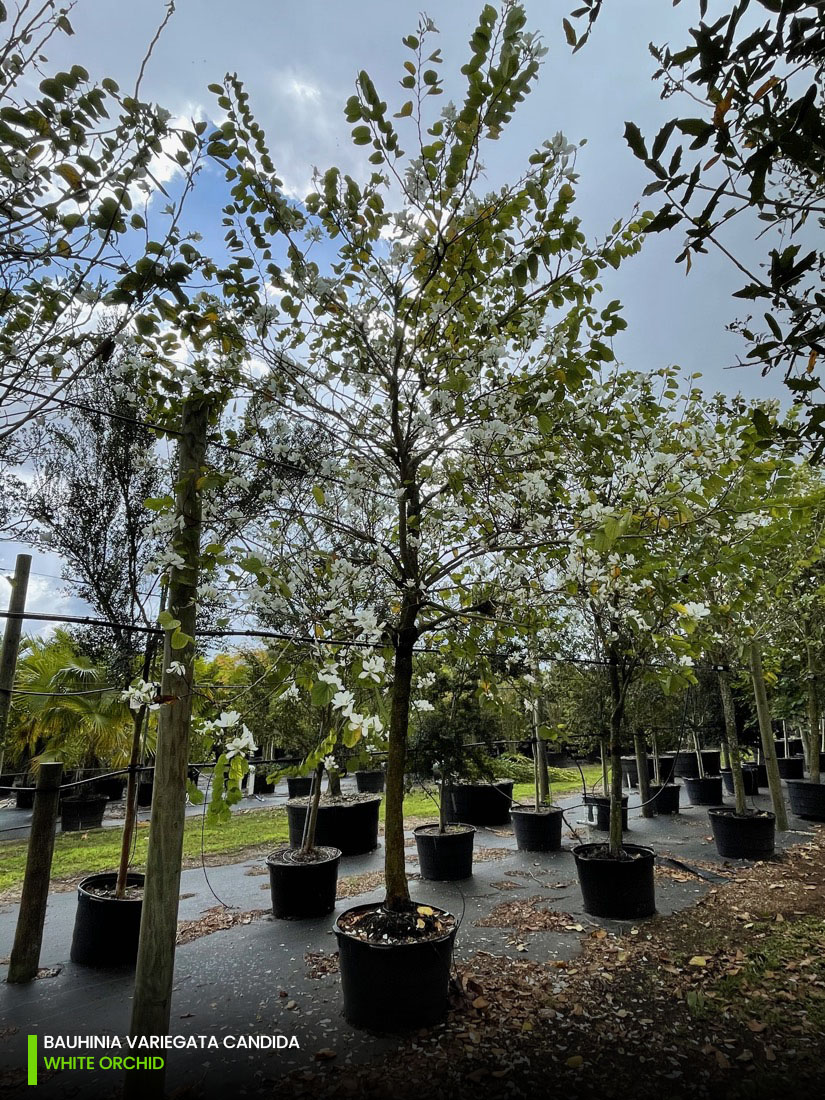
(28, 936)
(11, 643)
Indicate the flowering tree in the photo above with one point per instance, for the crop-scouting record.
(649, 478)
(434, 353)
(756, 577)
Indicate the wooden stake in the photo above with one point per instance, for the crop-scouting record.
(156, 950)
(11, 643)
(28, 936)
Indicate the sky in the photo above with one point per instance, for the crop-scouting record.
(299, 62)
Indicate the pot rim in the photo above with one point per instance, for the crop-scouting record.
(450, 824)
(545, 811)
(333, 855)
(344, 803)
(579, 853)
(805, 782)
(751, 813)
(394, 946)
(83, 884)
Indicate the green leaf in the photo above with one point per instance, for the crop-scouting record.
(318, 493)
(361, 135)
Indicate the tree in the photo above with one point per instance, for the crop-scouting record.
(79, 165)
(752, 145)
(650, 478)
(434, 354)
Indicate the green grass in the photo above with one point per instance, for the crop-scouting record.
(99, 849)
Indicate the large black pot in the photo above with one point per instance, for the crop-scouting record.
(791, 767)
(602, 804)
(704, 792)
(146, 786)
(7, 784)
(112, 787)
(762, 775)
(794, 747)
(807, 799)
(630, 770)
(750, 779)
(24, 792)
(263, 785)
(350, 826)
(106, 930)
(686, 766)
(303, 889)
(482, 803)
(445, 857)
(664, 798)
(82, 813)
(298, 786)
(537, 832)
(369, 782)
(621, 889)
(394, 987)
(748, 837)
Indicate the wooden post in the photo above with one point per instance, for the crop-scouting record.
(28, 936)
(11, 643)
(156, 949)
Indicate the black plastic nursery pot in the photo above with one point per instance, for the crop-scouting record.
(686, 766)
(298, 786)
(145, 788)
(482, 803)
(82, 813)
(762, 775)
(24, 792)
(738, 837)
(448, 856)
(750, 779)
(369, 782)
(602, 804)
(394, 987)
(621, 889)
(303, 888)
(263, 785)
(537, 832)
(112, 787)
(106, 929)
(630, 770)
(706, 791)
(791, 767)
(351, 826)
(807, 799)
(665, 798)
(794, 747)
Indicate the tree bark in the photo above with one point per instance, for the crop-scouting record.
(732, 740)
(813, 714)
(156, 950)
(766, 733)
(395, 875)
(616, 715)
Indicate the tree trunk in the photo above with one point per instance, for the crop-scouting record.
(311, 821)
(644, 779)
(812, 738)
(766, 734)
(395, 875)
(616, 715)
(732, 741)
(156, 951)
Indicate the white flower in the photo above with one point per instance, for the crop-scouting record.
(330, 764)
(241, 745)
(696, 610)
(176, 669)
(422, 705)
(141, 694)
(372, 668)
(228, 719)
(343, 701)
